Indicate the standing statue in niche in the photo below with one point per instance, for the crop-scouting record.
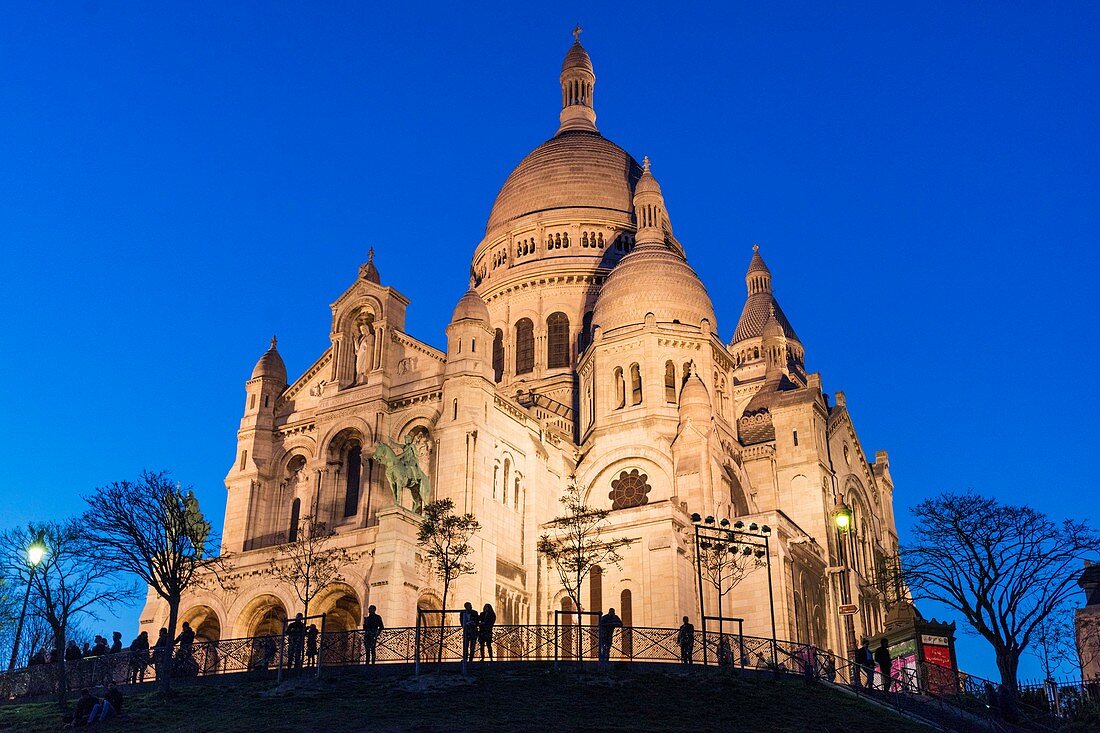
(364, 351)
(403, 472)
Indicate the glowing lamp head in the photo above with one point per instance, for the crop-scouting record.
(843, 518)
(36, 551)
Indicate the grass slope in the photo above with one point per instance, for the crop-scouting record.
(522, 699)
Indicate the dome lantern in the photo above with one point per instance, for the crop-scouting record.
(578, 81)
(271, 366)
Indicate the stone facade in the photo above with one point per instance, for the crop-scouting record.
(585, 346)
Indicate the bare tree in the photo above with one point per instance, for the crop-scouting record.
(1005, 568)
(574, 542)
(445, 538)
(1054, 641)
(153, 529)
(307, 563)
(71, 581)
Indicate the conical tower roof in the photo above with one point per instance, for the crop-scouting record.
(761, 305)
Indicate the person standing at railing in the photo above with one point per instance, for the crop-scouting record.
(139, 657)
(311, 645)
(882, 659)
(485, 624)
(608, 623)
(296, 639)
(186, 640)
(685, 638)
(469, 620)
(162, 653)
(372, 628)
(116, 644)
(725, 653)
(865, 664)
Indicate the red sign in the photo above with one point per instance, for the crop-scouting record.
(849, 609)
(940, 676)
(938, 655)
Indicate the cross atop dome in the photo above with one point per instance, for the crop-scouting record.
(577, 33)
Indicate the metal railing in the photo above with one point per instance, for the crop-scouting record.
(927, 690)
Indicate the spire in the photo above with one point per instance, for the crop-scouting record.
(368, 271)
(759, 278)
(578, 80)
(649, 208)
(274, 342)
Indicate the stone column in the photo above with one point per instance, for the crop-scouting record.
(395, 583)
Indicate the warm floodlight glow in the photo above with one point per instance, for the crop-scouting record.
(843, 518)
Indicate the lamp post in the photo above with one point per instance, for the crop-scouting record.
(35, 552)
(753, 539)
(842, 518)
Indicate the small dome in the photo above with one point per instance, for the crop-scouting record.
(652, 279)
(270, 365)
(695, 400)
(471, 307)
(577, 58)
(647, 183)
(756, 264)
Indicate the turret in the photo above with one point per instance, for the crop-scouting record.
(267, 382)
(469, 338)
(578, 81)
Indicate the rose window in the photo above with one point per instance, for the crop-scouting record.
(630, 489)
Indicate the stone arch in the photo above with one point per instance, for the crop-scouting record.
(205, 622)
(341, 606)
(263, 615)
(349, 315)
(656, 464)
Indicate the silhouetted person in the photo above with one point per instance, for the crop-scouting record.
(865, 664)
(186, 640)
(84, 707)
(296, 639)
(685, 637)
(39, 657)
(116, 644)
(162, 653)
(882, 659)
(469, 620)
(114, 696)
(72, 652)
(372, 628)
(311, 645)
(485, 624)
(139, 657)
(608, 623)
(725, 653)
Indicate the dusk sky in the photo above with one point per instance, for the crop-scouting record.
(179, 182)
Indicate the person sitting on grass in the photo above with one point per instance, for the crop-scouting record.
(82, 713)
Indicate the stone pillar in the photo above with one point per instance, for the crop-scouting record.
(395, 583)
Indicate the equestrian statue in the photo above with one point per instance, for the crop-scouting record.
(403, 472)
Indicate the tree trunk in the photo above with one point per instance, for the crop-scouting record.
(59, 663)
(1008, 663)
(164, 668)
(443, 620)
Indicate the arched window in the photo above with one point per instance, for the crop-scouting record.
(496, 479)
(670, 382)
(295, 510)
(585, 337)
(595, 592)
(620, 389)
(498, 355)
(354, 465)
(525, 346)
(507, 475)
(557, 340)
(635, 384)
(454, 409)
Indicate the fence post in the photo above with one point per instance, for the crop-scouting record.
(282, 643)
(416, 646)
(321, 646)
(556, 640)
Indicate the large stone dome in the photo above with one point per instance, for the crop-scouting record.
(573, 169)
(653, 279)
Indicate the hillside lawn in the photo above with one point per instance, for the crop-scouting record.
(506, 698)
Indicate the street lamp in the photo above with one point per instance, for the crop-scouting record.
(35, 552)
(842, 516)
(751, 540)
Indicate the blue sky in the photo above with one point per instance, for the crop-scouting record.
(178, 182)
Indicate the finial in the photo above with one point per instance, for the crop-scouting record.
(370, 255)
(473, 281)
(577, 33)
(756, 248)
(274, 342)
(645, 163)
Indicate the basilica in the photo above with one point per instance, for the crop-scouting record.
(586, 349)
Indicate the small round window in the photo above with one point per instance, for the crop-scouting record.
(630, 489)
